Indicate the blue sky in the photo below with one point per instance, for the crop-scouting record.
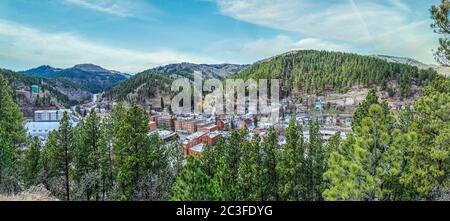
(134, 35)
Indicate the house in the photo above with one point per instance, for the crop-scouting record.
(212, 138)
(245, 123)
(164, 120)
(209, 128)
(165, 135)
(152, 126)
(196, 150)
(319, 105)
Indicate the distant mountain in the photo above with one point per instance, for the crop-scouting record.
(409, 61)
(42, 71)
(92, 77)
(219, 71)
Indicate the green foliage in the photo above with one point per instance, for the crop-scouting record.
(361, 167)
(428, 139)
(363, 109)
(131, 148)
(315, 164)
(60, 155)
(89, 156)
(147, 84)
(12, 136)
(193, 184)
(441, 26)
(31, 162)
(320, 71)
(291, 166)
(10, 116)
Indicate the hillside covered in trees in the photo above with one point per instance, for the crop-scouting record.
(311, 71)
(55, 92)
(142, 86)
(308, 72)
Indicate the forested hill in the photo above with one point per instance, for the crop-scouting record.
(55, 92)
(311, 71)
(144, 85)
(92, 77)
(219, 71)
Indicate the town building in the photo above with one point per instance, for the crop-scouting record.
(50, 115)
(152, 126)
(165, 135)
(46, 121)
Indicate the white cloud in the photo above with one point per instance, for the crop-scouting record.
(114, 7)
(267, 47)
(36, 47)
(362, 25)
(400, 5)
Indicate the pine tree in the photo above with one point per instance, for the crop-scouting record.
(31, 162)
(60, 153)
(87, 156)
(228, 165)
(428, 168)
(315, 164)
(441, 25)
(363, 108)
(162, 103)
(291, 178)
(8, 159)
(361, 167)
(12, 136)
(193, 184)
(249, 170)
(11, 117)
(269, 160)
(131, 148)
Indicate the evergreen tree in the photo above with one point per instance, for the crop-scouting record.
(31, 162)
(12, 135)
(428, 152)
(60, 154)
(228, 165)
(131, 148)
(441, 25)
(269, 159)
(8, 160)
(363, 109)
(87, 157)
(291, 176)
(361, 167)
(193, 184)
(315, 164)
(11, 117)
(249, 171)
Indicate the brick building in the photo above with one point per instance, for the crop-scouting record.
(152, 126)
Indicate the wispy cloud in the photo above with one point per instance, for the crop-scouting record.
(35, 47)
(400, 5)
(267, 47)
(113, 7)
(380, 26)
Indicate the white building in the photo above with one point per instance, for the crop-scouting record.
(46, 121)
(49, 115)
